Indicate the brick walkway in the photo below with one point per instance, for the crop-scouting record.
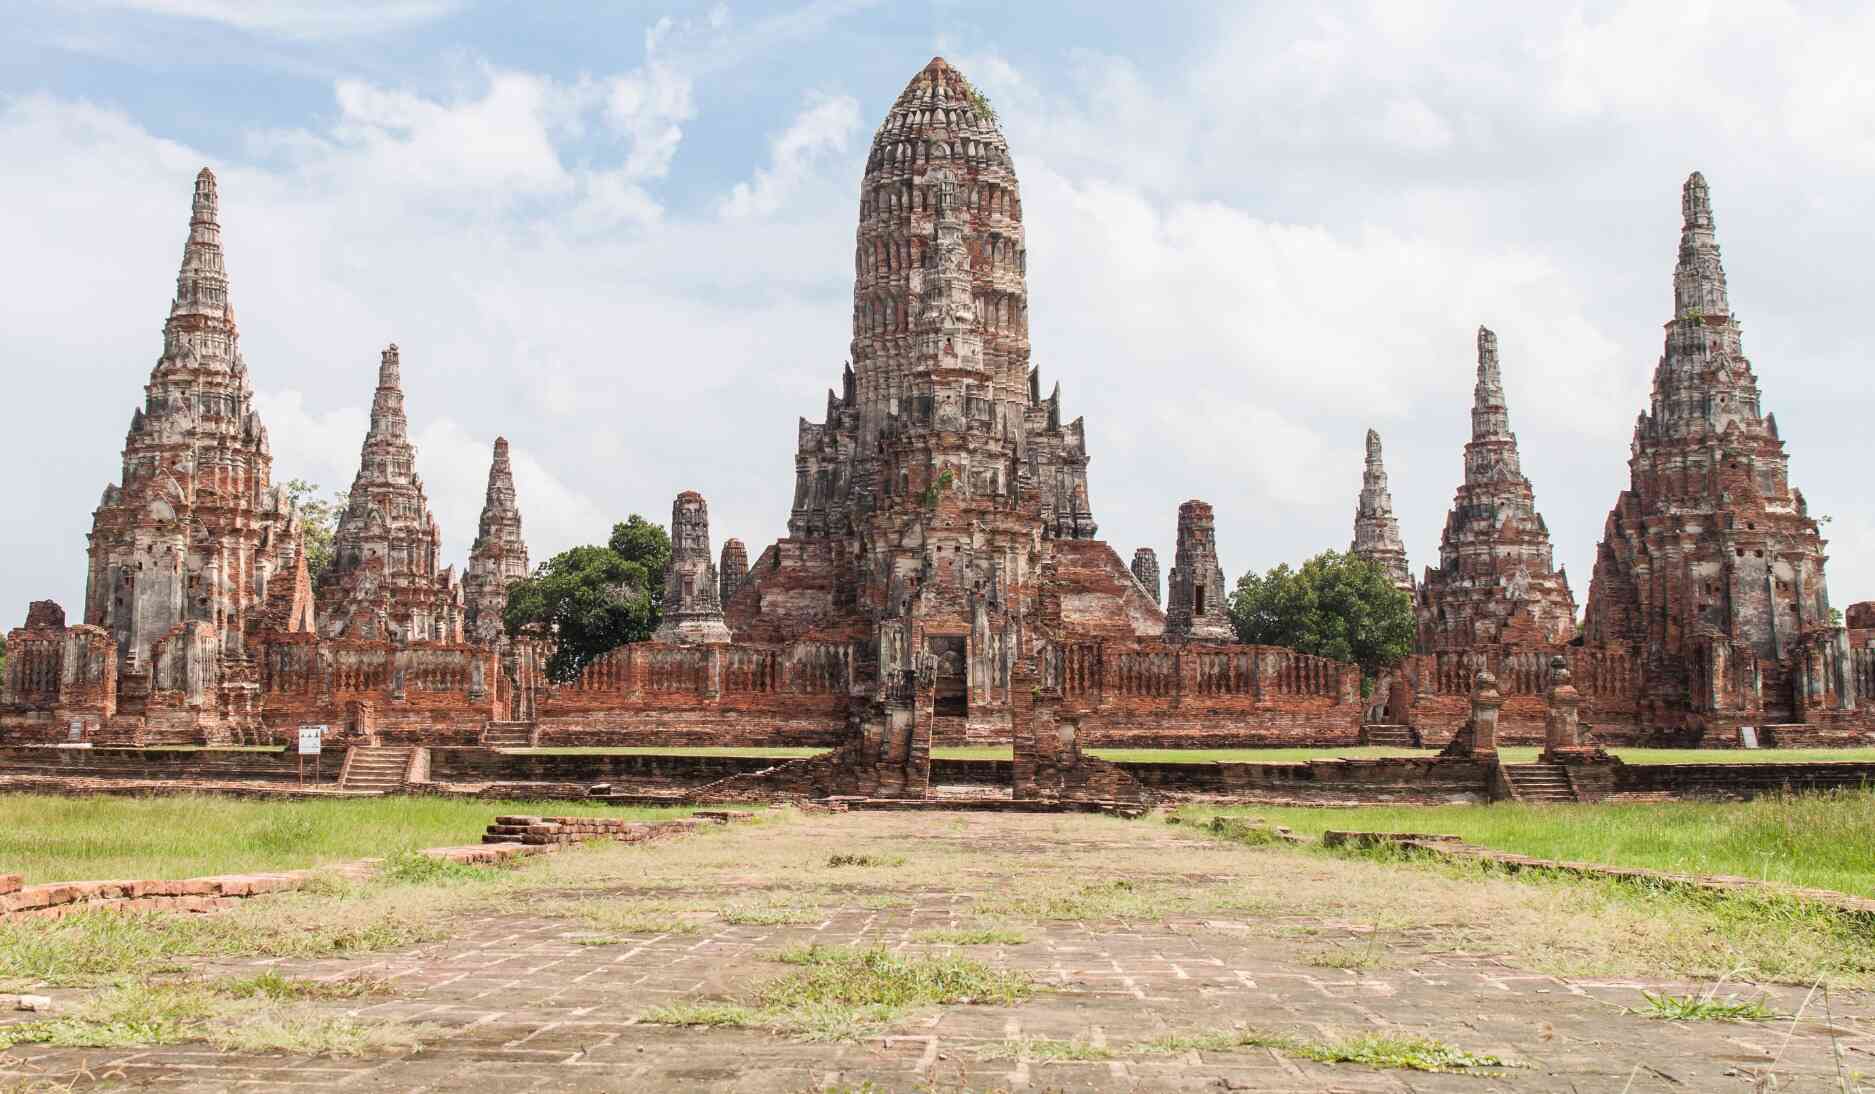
(531, 1009)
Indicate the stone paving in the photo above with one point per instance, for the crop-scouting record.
(528, 1007)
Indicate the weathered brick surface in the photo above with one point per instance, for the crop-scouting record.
(1710, 566)
(1496, 586)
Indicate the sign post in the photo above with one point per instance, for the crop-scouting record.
(309, 740)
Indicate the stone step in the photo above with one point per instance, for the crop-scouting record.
(1540, 782)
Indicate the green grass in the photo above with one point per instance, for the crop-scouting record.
(971, 936)
(52, 838)
(1703, 1008)
(168, 1014)
(841, 993)
(1377, 1050)
(1823, 841)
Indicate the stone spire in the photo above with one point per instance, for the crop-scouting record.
(1709, 557)
(1699, 278)
(1146, 569)
(1376, 530)
(383, 580)
(1194, 595)
(734, 567)
(692, 611)
(1496, 585)
(499, 557)
(195, 529)
(1491, 439)
(202, 282)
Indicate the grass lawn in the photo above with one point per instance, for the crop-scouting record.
(53, 838)
(1825, 841)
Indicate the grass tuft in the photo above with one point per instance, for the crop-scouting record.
(272, 985)
(1044, 1048)
(1689, 1008)
(842, 993)
(769, 914)
(846, 859)
(972, 936)
(1407, 1052)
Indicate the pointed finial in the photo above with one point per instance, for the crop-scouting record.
(1373, 444)
(1696, 202)
(389, 374)
(207, 206)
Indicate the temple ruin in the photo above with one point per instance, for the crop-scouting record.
(940, 581)
(1710, 565)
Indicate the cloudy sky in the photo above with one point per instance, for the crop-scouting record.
(620, 234)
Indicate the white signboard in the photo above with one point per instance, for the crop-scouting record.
(1747, 737)
(309, 739)
(76, 729)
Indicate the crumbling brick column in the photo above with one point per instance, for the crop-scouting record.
(1561, 722)
(1478, 736)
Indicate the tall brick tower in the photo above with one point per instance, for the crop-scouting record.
(383, 580)
(1709, 562)
(692, 610)
(943, 493)
(1195, 603)
(195, 528)
(1376, 529)
(1496, 585)
(499, 557)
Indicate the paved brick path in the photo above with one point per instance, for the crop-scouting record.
(531, 1009)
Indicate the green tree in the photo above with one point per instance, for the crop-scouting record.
(595, 598)
(1336, 605)
(319, 521)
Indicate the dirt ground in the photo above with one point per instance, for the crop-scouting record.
(1130, 931)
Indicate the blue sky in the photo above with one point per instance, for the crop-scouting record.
(620, 234)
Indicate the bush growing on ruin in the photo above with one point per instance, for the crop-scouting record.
(595, 598)
(1336, 605)
(319, 520)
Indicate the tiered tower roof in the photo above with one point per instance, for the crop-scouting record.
(1709, 542)
(383, 581)
(1376, 529)
(195, 528)
(1496, 584)
(499, 557)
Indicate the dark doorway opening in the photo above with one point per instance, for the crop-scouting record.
(952, 685)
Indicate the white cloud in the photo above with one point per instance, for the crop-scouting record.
(300, 18)
(1237, 264)
(820, 131)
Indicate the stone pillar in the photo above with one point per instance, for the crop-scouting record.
(693, 610)
(1561, 721)
(1478, 736)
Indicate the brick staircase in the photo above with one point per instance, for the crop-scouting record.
(510, 735)
(1389, 736)
(1540, 783)
(379, 769)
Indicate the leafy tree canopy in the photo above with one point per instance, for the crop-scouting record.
(1336, 605)
(319, 521)
(595, 598)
